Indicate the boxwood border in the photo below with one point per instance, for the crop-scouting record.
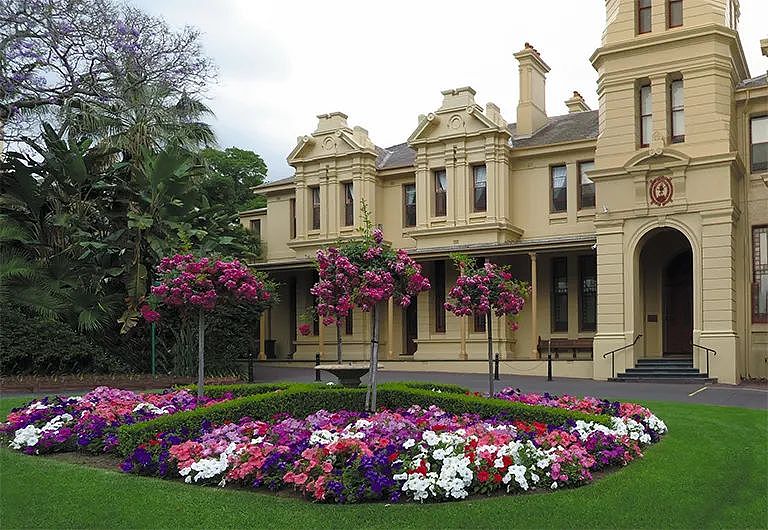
(263, 401)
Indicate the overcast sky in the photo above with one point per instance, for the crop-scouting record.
(283, 62)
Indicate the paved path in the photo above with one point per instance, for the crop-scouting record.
(735, 396)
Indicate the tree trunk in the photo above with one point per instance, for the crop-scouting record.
(489, 329)
(338, 341)
(200, 353)
(370, 397)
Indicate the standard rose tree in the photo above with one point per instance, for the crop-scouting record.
(193, 286)
(364, 272)
(483, 291)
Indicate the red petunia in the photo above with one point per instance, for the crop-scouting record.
(482, 476)
(497, 478)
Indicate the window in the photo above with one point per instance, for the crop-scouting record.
(440, 192)
(479, 181)
(439, 286)
(645, 114)
(560, 294)
(256, 227)
(409, 200)
(643, 16)
(349, 328)
(559, 180)
(674, 13)
(315, 207)
(586, 186)
(587, 293)
(292, 206)
(758, 154)
(349, 205)
(760, 274)
(676, 112)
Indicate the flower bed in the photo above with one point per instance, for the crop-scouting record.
(412, 453)
(90, 422)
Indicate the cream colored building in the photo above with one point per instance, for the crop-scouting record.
(646, 217)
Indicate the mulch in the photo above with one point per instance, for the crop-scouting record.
(67, 383)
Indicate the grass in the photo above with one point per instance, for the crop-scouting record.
(711, 470)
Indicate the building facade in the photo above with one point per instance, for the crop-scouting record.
(644, 221)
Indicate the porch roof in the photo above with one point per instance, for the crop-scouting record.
(544, 244)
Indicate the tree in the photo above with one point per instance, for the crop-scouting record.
(484, 291)
(192, 287)
(236, 171)
(64, 54)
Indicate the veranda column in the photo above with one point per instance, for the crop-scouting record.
(262, 336)
(534, 311)
(321, 339)
(390, 330)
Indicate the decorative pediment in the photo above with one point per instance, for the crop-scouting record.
(332, 138)
(458, 115)
(657, 158)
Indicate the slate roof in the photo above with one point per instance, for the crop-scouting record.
(761, 80)
(566, 128)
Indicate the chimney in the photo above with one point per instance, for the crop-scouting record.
(764, 46)
(332, 121)
(531, 110)
(576, 103)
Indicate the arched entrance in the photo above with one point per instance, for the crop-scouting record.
(665, 299)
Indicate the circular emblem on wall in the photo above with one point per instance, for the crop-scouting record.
(328, 143)
(455, 122)
(660, 190)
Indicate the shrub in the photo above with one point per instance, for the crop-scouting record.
(32, 345)
(262, 402)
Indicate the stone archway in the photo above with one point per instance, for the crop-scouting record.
(664, 296)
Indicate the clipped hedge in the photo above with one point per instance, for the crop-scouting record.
(263, 401)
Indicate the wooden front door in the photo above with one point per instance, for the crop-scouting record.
(411, 329)
(678, 304)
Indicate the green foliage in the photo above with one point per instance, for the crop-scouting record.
(233, 172)
(261, 402)
(33, 345)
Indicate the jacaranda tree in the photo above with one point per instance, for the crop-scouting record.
(193, 287)
(484, 291)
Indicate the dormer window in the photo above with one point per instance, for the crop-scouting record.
(315, 192)
(479, 181)
(674, 13)
(349, 205)
(441, 185)
(643, 16)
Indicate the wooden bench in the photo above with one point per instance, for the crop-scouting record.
(558, 346)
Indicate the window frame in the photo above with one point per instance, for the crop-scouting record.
(558, 326)
(642, 115)
(552, 208)
(752, 144)
(670, 3)
(349, 323)
(442, 211)
(475, 206)
(587, 265)
(439, 296)
(673, 110)
(349, 203)
(758, 269)
(315, 192)
(581, 205)
(406, 206)
(640, 9)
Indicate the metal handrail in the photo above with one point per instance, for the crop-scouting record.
(613, 357)
(707, 350)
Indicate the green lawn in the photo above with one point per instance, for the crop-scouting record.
(711, 470)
